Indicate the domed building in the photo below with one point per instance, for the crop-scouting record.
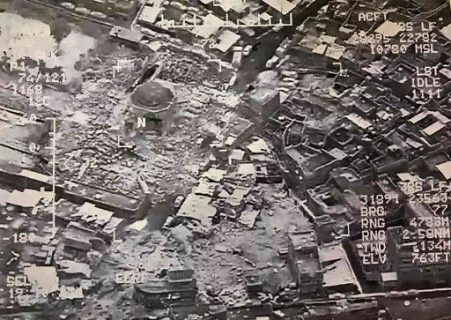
(150, 107)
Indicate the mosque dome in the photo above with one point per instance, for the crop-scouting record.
(152, 96)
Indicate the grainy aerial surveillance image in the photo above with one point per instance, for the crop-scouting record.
(225, 159)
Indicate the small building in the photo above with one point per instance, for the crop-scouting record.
(253, 285)
(282, 6)
(261, 103)
(337, 270)
(179, 286)
(131, 38)
(304, 262)
(410, 271)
